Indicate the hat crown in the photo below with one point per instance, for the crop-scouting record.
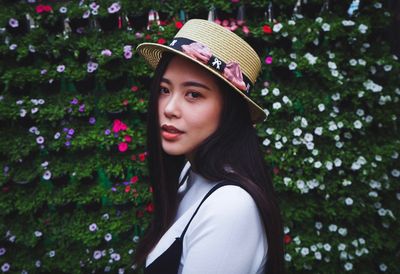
(223, 44)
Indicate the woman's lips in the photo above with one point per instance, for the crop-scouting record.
(170, 133)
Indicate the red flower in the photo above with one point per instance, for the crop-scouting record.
(118, 126)
(142, 156)
(134, 88)
(151, 189)
(178, 24)
(128, 138)
(287, 239)
(147, 37)
(125, 102)
(150, 207)
(134, 179)
(267, 29)
(127, 188)
(161, 41)
(43, 8)
(122, 147)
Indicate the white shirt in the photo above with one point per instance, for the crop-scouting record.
(226, 235)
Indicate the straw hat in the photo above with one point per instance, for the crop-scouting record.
(218, 50)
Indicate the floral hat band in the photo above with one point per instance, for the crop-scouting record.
(200, 52)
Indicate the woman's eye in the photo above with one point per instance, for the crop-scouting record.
(194, 95)
(164, 90)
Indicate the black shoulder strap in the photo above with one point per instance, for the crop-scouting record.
(202, 201)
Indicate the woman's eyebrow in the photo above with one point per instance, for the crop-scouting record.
(187, 84)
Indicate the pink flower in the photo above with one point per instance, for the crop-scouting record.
(118, 126)
(106, 52)
(128, 54)
(268, 60)
(122, 147)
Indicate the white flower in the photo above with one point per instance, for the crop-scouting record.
(286, 100)
(269, 131)
(276, 91)
(327, 247)
(38, 233)
(342, 231)
(353, 62)
(52, 253)
(318, 225)
(278, 145)
(395, 173)
(318, 255)
(22, 112)
(332, 227)
(370, 85)
(264, 91)
(332, 65)
(335, 97)
(288, 258)
(318, 131)
(297, 132)
(311, 58)
(93, 227)
(362, 62)
(348, 23)
(335, 73)
(57, 135)
(305, 251)
(332, 126)
(326, 27)
(276, 105)
(341, 247)
(266, 142)
(318, 20)
(348, 266)
(40, 140)
(383, 267)
(337, 162)
(292, 66)
(321, 107)
(63, 9)
(308, 137)
(277, 27)
(303, 122)
(292, 22)
(317, 164)
(329, 165)
(47, 175)
(135, 239)
(348, 201)
(38, 263)
(357, 124)
(362, 28)
(361, 241)
(387, 67)
(108, 237)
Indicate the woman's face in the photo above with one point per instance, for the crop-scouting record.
(189, 107)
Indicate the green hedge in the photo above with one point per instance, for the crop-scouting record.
(74, 191)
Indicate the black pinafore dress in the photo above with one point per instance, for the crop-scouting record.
(168, 262)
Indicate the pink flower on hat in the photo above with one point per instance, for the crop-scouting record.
(198, 51)
(233, 73)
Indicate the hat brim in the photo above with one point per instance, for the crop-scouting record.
(152, 53)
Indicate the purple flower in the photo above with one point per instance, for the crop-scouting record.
(2, 251)
(115, 7)
(93, 227)
(43, 71)
(113, 189)
(82, 108)
(128, 54)
(106, 52)
(68, 137)
(80, 30)
(40, 140)
(94, 6)
(74, 101)
(107, 132)
(71, 131)
(97, 254)
(60, 68)
(92, 66)
(92, 120)
(5, 267)
(65, 129)
(67, 143)
(69, 110)
(13, 23)
(13, 46)
(127, 48)
(86, 14)
(139, 34)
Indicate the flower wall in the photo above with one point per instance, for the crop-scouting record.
(74, 191)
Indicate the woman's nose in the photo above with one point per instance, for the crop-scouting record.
(172, 106)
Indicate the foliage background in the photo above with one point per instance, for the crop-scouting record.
(74, 196)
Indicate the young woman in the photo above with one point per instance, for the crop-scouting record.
(215, 210)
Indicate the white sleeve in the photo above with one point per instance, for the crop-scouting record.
(226, 236)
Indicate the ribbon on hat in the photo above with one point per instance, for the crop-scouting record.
(200, 52)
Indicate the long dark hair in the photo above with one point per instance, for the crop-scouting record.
(235, 145)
